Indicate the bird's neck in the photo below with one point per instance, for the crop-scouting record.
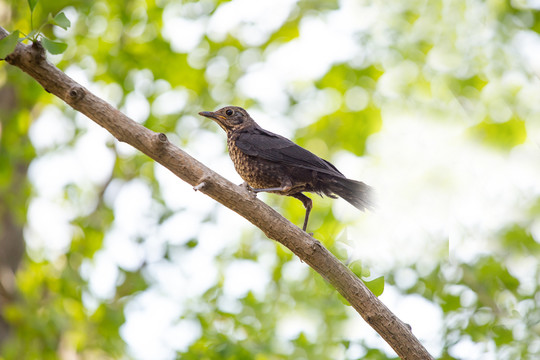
(243, 129)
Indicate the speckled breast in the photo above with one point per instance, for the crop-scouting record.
(258, 173)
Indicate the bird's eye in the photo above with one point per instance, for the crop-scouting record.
(229, 112)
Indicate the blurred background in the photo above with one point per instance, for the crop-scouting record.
(104, 254)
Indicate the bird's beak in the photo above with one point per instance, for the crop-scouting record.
(208, 114)
(217, 118)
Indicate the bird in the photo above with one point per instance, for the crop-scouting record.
(269, 162)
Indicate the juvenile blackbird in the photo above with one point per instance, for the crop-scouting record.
(272, 163)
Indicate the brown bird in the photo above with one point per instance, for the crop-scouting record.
(272, 163)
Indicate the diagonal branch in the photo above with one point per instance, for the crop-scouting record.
(31, 59)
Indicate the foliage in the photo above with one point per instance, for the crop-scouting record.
(8, 44)
(134, 233)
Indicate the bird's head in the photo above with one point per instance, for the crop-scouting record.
(230, 118)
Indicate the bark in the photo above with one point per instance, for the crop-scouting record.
(31, 59)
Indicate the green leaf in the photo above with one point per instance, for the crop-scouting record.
(376, 285)
(54, 47)
(357, 268)
(32, 4)
(61, 20)
(7, 44)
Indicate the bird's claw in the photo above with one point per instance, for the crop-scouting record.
(248, 188)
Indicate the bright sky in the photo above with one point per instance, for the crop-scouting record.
(433, 183)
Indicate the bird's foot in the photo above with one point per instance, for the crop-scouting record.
(248, 188)
(309, 233)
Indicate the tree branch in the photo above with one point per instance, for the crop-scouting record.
(31, 59)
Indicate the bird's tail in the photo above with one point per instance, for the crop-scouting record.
(355, 192)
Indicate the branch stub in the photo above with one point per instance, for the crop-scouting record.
(76, 93)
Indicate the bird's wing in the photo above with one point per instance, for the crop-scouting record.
(276, 148)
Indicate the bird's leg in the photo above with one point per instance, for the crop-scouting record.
(308, 204)
(285, 187)
(280, 189)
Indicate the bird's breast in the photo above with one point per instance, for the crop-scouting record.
(257, 172)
